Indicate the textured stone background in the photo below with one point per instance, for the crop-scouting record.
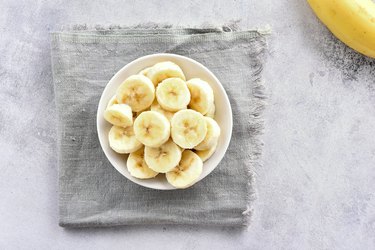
(316, 189)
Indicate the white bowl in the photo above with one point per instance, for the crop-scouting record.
(192, 69)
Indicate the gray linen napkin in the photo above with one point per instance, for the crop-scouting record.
(92, 192)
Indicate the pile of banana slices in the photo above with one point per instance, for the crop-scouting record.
(165, 123)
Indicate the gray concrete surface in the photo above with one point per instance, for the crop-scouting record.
(316, 189)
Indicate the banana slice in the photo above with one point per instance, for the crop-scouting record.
(164, 70)
(164, 158)
(145, 71)
(137, 166)
(187, 172)
(112, 101)
(212, 136)
(152, 128)
(122, 140)
(189, 128)
(173, 94)
(156, 107)
(137, 91)
(211, 111)
(119, 114)
(206, 154)
(202, 96)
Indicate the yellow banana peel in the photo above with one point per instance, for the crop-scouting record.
(352, 21)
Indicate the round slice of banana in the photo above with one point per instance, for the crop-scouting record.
(187, 172)
(173, 94)
(137, 166)
(206, 154)
(156, 107)
(164, 70)
(163, 158)
(137, 91)
(212, 136)
(152, 128)
(112, 101)
(188, 128)
(119, 114)
(202, 96)
(122, 140)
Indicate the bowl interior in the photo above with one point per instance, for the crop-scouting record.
(192, 69)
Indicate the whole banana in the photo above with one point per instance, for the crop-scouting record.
(352, 21)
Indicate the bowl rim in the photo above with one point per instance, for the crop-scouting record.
(171, 55)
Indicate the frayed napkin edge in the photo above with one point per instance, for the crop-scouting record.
(231, 26)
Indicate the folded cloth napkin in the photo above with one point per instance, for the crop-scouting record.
(91, 191)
